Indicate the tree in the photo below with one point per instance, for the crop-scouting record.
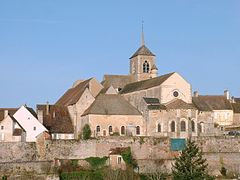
(190, 165)
(86, 132)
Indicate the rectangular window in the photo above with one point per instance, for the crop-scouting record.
(2, 127)
(34, 128)
(119, 161)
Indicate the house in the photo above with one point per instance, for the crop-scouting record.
(78, 98)
(219, 107)
(27, 118)
(57, 120)
(116, 160)
(10, 129)
(111, 114)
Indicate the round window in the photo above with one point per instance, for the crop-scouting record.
(175, 94)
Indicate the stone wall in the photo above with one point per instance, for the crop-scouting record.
(151, 153)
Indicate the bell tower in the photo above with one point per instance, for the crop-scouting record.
(142, 62)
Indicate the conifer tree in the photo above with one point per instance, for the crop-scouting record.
(190, 165)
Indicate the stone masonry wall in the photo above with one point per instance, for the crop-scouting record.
(151, 153)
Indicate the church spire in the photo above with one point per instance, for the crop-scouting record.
(142, 39)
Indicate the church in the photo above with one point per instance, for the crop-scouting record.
(139, 104)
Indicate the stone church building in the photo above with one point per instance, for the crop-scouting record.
(139, 104)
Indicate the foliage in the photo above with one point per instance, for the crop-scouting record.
(223, 171)
(156, 176)
(118, 174)
(96, 162)
(86, 132)
(88, 175)
(141, 141)
(128, 159)
(4, 178)
(190, 165)
(74, 163)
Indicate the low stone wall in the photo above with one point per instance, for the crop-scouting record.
(151, 153)
(26, 168)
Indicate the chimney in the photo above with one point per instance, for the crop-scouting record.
(227, 94)
(195, 94)
(47, 108)
(5, 113)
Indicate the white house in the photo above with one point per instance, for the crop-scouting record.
(27, 118)
(10, 129)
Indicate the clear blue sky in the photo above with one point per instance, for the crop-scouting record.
(46, 45)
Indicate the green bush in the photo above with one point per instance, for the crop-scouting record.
(74, 163)
(86, 132)
(96, 162)
(128, 159)
(88, 175)
(4, 178)
(223, 171)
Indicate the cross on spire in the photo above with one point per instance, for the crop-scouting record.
(142, 39)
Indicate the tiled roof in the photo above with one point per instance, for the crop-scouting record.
(143, 50)
(151, 100)
(179, 104)
(118, 150)
(117, 81)
(149, 83)
(57, 120)
(236, 107)
(154, 67)
(72, 95)
(209, 103)
(153, 103)
(11, 112)
(237, 100)
(111, 104)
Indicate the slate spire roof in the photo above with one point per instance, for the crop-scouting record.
(143, 50)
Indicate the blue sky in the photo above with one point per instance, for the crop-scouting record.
(47, 45)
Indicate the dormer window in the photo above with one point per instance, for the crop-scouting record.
(145, 67)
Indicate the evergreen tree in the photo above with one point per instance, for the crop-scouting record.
(86, 132)
(190, 165)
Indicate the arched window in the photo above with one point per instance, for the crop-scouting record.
(122, 130)
(98, 129)
(172, 126)
(193, 126)
(183, 126)
(159, 128)
(145, 67)
(137, 130)
(110, 129)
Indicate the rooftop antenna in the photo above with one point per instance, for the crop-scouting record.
(142, 39)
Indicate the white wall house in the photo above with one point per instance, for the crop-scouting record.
(27, 118)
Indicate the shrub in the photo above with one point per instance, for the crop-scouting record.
(96, 162)
(128, 159)
(86, 132)
(223, 171)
